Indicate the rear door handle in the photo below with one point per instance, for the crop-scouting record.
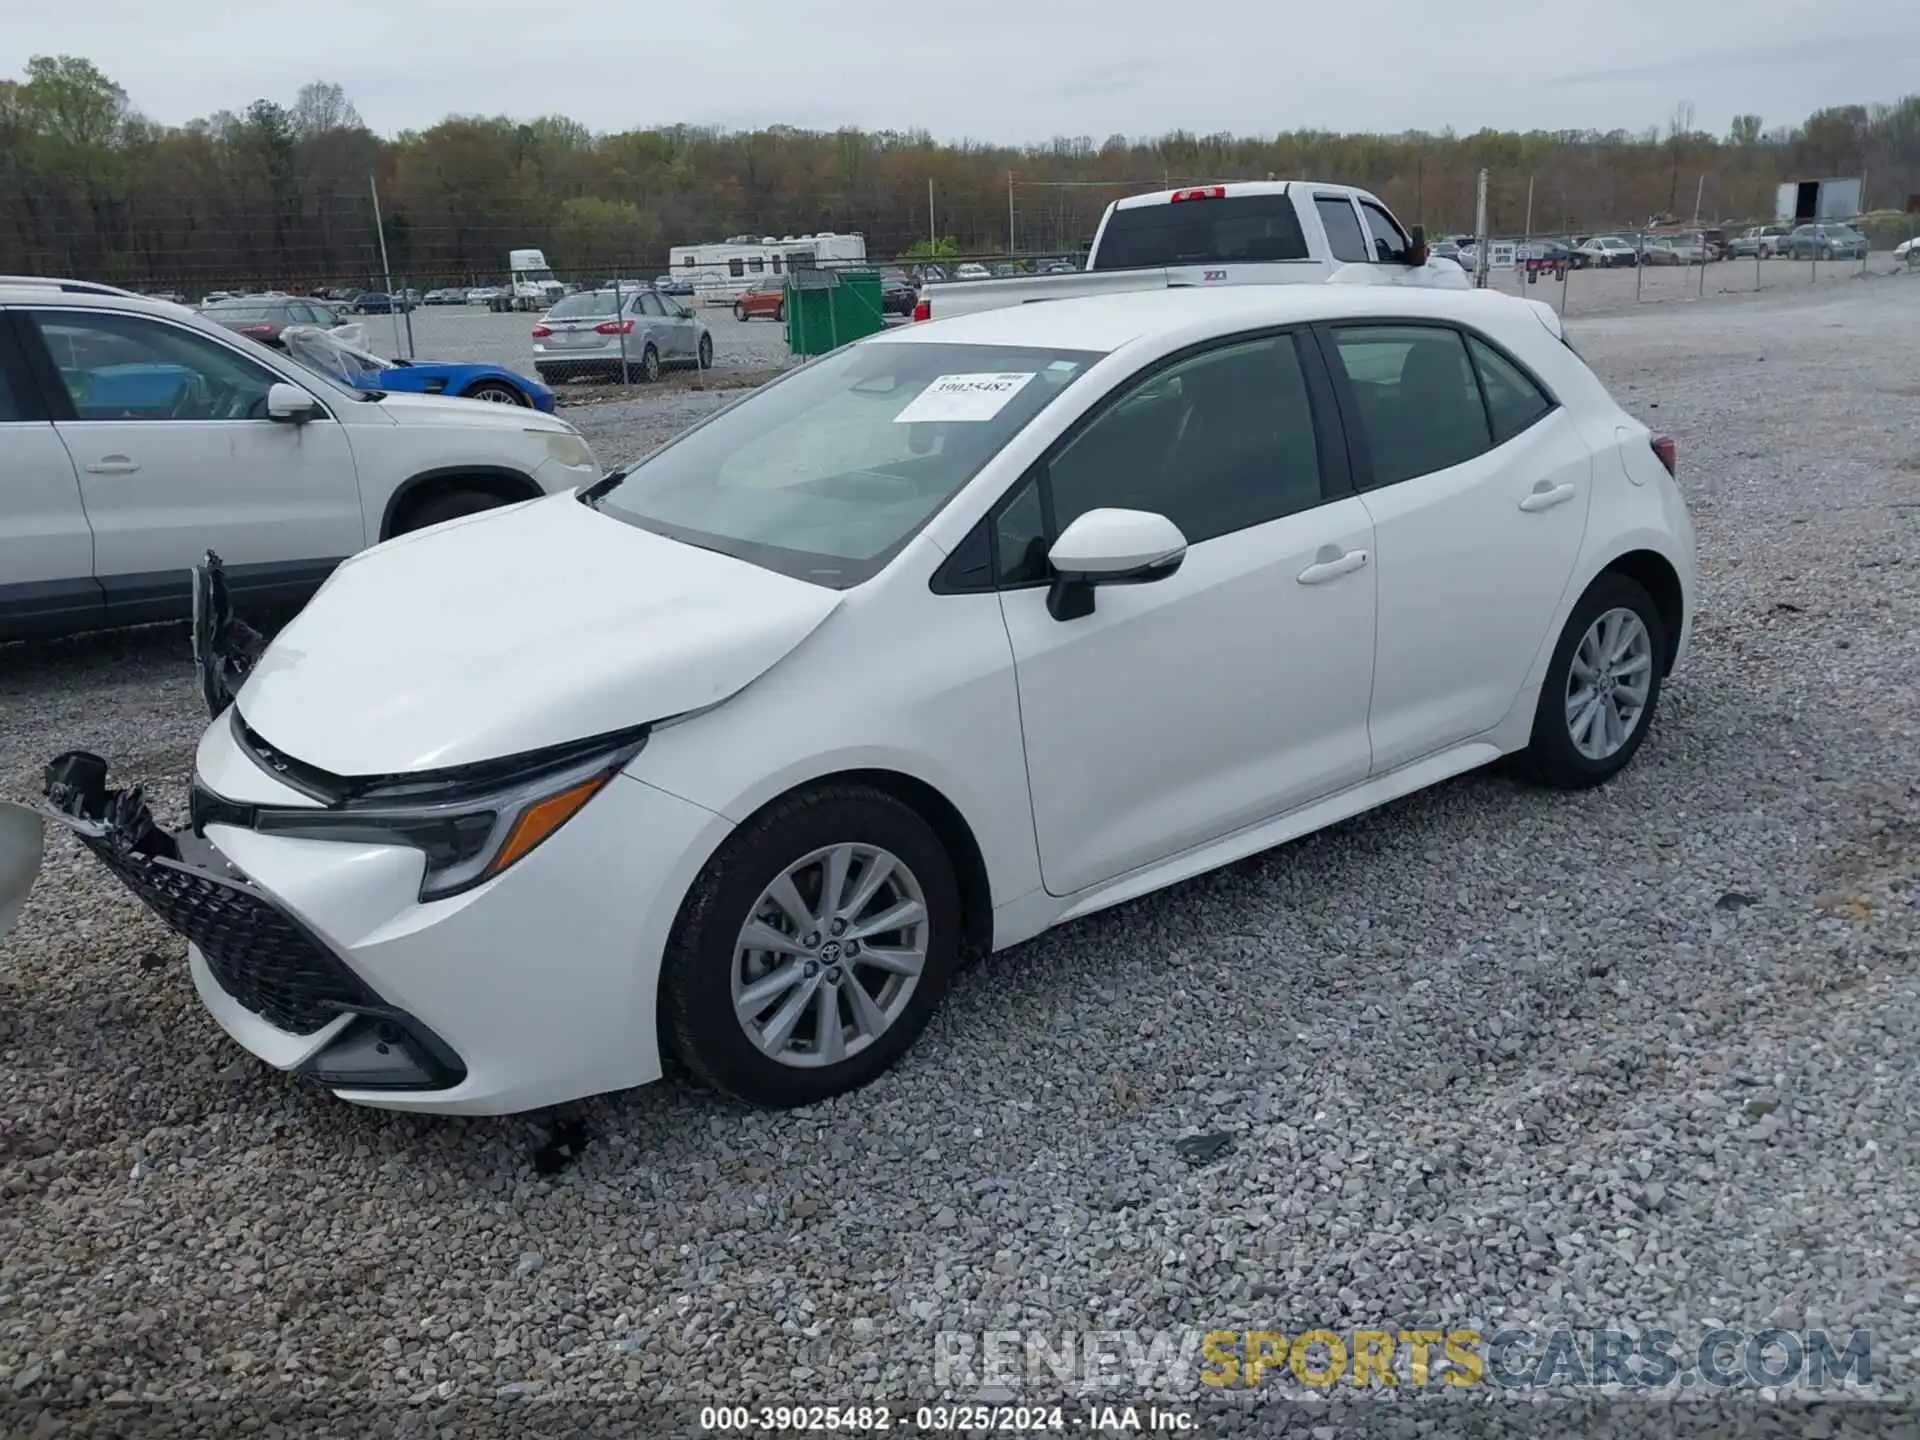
(113, 465)
(1545, 496)
(1331, 564)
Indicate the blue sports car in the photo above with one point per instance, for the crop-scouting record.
(334, 357)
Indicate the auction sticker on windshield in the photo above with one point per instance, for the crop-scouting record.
(962, 397)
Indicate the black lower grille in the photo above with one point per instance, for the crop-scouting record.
(261, 956)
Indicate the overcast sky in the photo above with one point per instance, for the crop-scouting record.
(997, 71)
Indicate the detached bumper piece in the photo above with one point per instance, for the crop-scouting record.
(261, 956)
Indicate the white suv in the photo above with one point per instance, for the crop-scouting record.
(136, 436)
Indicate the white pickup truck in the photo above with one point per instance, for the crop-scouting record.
(1264, 232)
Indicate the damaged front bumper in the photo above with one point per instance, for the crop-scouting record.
(257, 955)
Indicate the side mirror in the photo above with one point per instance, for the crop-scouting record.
(1110, 547)
(289, 404)
(1417, 246)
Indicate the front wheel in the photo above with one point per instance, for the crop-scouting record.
(1601, 687)
(780, 312)
(706, 352)
(813, 949)
(740, 313)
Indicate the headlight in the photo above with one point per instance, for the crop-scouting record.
(471, 823)
(566, 447)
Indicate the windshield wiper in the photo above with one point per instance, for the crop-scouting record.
(602, 487)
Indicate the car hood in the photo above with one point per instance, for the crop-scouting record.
(412, 408)
(513, 630)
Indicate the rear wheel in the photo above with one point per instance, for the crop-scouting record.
(813, 949)
(497, 392)
(650, 364)
(1601, 687)
(780, 312)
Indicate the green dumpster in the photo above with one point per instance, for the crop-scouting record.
(830, 308)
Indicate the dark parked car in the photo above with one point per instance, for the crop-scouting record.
(1827, 241)
(898, 294)
(378, 302)
(1547, 257)
(262, 318)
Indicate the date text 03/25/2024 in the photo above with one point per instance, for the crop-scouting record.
(950, 1418)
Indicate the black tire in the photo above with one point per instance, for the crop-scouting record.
(706, 352)
(1551, 758)
(498, 392)
(780, 313)
(650, 364)
(697, 1019)
(445, 505)
(740, 313)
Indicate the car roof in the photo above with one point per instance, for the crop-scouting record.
(1105, 323)
(30, 292)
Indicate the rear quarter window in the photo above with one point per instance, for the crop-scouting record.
(1201, 232)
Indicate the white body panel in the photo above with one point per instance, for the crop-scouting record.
(1182, 724)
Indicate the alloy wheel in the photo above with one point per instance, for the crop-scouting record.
(830, 955)
(1608, 683)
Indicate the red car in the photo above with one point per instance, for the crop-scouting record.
(769, 297)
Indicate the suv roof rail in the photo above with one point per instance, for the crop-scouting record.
(69, 287)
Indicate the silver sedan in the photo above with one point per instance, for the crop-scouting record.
(587, 335)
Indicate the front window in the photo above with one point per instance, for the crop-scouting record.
(130, 367)
(538, 277)
(826, 474)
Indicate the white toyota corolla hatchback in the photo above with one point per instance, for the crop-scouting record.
(947, 637)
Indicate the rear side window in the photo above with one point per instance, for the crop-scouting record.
(1214, 231)
(1514, 402)
(1419, 404)
(1343, 228)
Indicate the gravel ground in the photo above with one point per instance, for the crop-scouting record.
(1489, 1057)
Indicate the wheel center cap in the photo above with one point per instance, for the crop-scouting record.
(830, 953)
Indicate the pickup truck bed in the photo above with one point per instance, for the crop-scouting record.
(1259, 233)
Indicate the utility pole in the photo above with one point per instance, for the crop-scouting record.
(933, 240)
(385, 268)
(1480, 257)
(1010, 245)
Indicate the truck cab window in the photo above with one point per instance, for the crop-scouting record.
(1343, 228)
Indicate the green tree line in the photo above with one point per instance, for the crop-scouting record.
(280, 193)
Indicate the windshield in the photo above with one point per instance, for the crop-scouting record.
(828, 472)
(1201, 232)
(539, 277)
(597, 302)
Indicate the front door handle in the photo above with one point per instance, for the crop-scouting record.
(113, 465)
(1331, 564)
(1545, 496)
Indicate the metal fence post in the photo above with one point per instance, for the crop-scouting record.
(406, 305)
(619, 327)
(1639, 265)
(1701, 294)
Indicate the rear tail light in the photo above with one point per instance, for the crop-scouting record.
(1663, 446)
(614, 327)
(923, 310)
(256, 329)
(540, 332)
(1201, 192)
